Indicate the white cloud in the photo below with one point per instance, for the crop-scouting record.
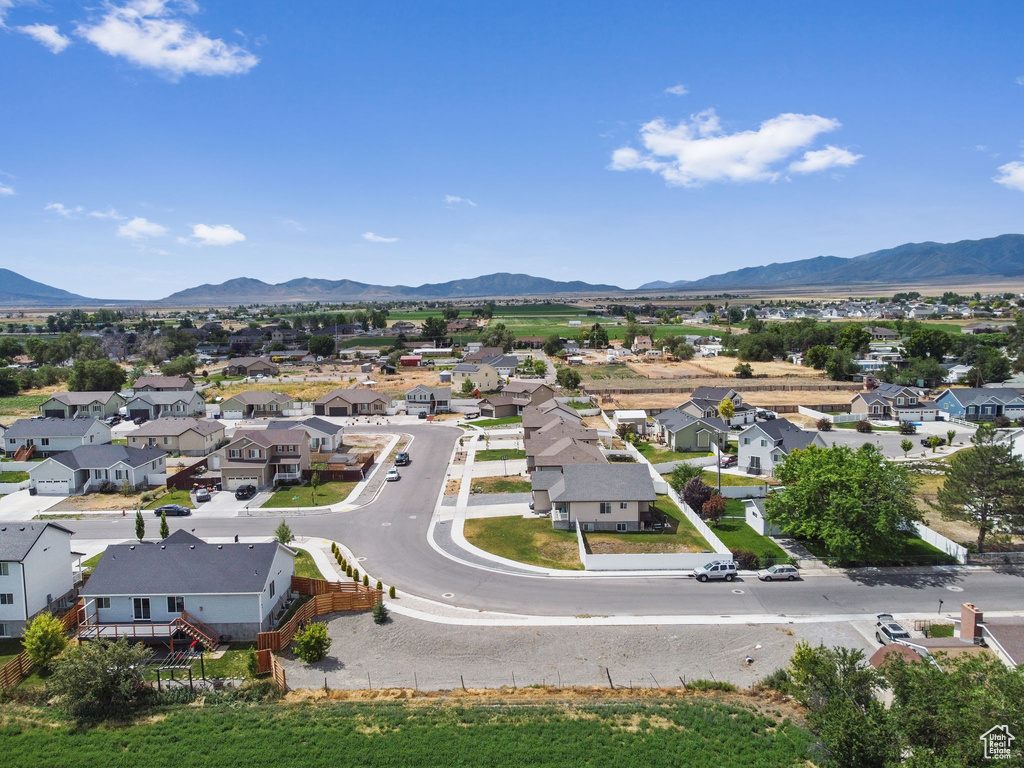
(48, 35)
(5, 6)
(378, 239)
(678, 90)
(138, 228)
(152, 33)
(698, 150)
(454, 199)
(218, 234)
(823, 159)
(293, 224)
(1011, 175)
(59, 208)
(1020, 80)
(110, 213)
(6, 190)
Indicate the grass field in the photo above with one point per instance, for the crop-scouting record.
(497, 454)
(306, 567)
(655, 734)
(496, 422)
(326, 494)
(182, 498)
(533, 542)
(913, 551)
(681, 537)
(13, 477)
(501, 485)
(658, 455)
(22, 405)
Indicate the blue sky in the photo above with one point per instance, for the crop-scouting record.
(150, 145)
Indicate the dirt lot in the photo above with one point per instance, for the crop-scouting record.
(307, 391)
(95, 502)
(809, 397)
(662, 369)
(407, 652)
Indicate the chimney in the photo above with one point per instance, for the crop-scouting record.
(971, 620)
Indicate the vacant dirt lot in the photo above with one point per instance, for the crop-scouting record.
(663, 369)
(814, 398)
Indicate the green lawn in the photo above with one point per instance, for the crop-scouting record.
(326, 495)
(581, 405)
(711, 478)
(736, 534)
(529, 541)
(496, 422)
(91, 562)
(913, 551)
(231, 664)
(501, 485)
(13, 477)
(497, 454)
(659, 455)
(682, 536)
(853, 425)
(19, 404)
(178, 497)
(305, 566)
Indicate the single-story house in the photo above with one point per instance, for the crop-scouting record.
(96, 405)
(764, 445)
(894, 402)
(50, 436)
(231, 589)
(251, 366)
(352, 402)
(600, 497)
(187, 436)
(537, 416)
(255, 404)
(482, 376)
(324, 437)
(154, 405)
(431, 400)
(529, 342)
(87, 468)
(264, 457)
(480, 354)
(881, 333)
(36, 573)
(498, 407)
(553, 455)
(163, 384)
(682, 431)
(980, 404)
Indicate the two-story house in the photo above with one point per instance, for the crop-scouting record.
(186, 436)
(429, 400)
(481, 375)
(264, 458)
(704, 403)
(36, 573)
(894, 402)
(46, 437)
(598, 497)
(762, 446)
(324, 437)
(96, 405)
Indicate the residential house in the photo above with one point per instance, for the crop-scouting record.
(283, 336)
(762, 446)
(405, 327)
(552, 455)
(642, 344)
(682, 431)
(153, 590)
(704, 402)
(597, 497)
(163, 384)
(352, 402)
(251, 366)
(46, 437)
(984, 404)
(36, 573)
(481, 375)
(89, 468)
(429, 400)
(153, 405)
(537, 416)
(264, 457)
(635, 418)
(186, 436)
(894, 402)
(498, 407)
(324, 437)
(529, 342)
(526, 392)
(96, 405)
(879, 333)
(505, 365)
(255, 404)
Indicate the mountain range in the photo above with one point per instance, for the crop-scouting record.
(963, 262)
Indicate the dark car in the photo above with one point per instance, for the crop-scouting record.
(245, 492)
(925, 441)
(172, 510)
(402, 459)
(421, 415)
(140, 419)
(728, 461)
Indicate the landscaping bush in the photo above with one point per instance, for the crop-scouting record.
(366, 580)
(391, 592)
(777, 681)
(824, 425)
(696, 493)
(713, 509)
(906, 428)
(380, 612)
(348, 570)
(101, 678)
(864, 426)
(682, 474)
(380, 586)
(252, 663)
(941, 630)
(44, 639)
(108, 487)
(312, 643)
(746, 560)
(1001, 421)
(355, 574)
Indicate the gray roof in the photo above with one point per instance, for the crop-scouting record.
(467, 368)
(604, 482)
(82, 398)
(161, 381)
(50, 427)
(973, 396)
(17, 539)
(544, 480)
(166, 398)
(522, 385)
(247, 361)
(352, 396)
(105, 456)
(439, 393)
(177, 426)
(286, 436)
(181, 564)
(712, 393)
(787, 435)
(565, 450)
(502, 361)
(674, 420)
(259, 397)
(313, 423)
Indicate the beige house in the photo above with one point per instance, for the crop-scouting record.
(255, 404)
(67, 405)
(265, 457)
(642, 344)
(352, 402)
(186, 436)
(251, 366)
(537, 416)
(483, 376)
(598, 497)
(163, 384)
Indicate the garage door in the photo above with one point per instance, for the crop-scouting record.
(234, 483)
(53, 487)
(53, 414)
(136, 413)
(318, 410)
(339, 410)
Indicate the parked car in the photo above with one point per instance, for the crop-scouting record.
(111, 421)
(716, 569)
(202, 494)
(392, 475)
(925, 441)
(140, 420)
(172, 510)
(766, 415)
(888, 630)
(245, 492)
(421, 415)
(778, 572)
(728, 460)
(402, 459)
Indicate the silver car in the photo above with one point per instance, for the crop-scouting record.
(779, 572)
(717, 569)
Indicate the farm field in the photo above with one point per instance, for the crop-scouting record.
(691, 730)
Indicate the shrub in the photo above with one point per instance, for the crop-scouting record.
(101, 678)
(906, 428)
(710, 685)
(44, 639)
(824, 425)
(366, 580)
(682, 474)
(1001, 421)
(864, 426)
(348, 570)
(252, 663)
(746, 560)
(695, 493)
(777, 681)
(391, 592)
(713, 508)
(283, 533)
(380, 612)
(355, 574)
(312, 643)
(379, 585)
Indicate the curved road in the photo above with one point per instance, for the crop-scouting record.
(391, 533)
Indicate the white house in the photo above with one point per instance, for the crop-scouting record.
(324, 437)
(183, 584)
(49, 436)
(762, 446)
(36, 573)
(88, 467)
(429, 400)
(153, 405)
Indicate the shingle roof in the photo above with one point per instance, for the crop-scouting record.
(268, 438)
(439, 393)
(539, 415)
(544, 480)
(182, 564)
(521, 385)
(258, 397)
(50, 427)
(972, 396)
(165, 398)
(105, 456)
(312, 423)
(502, 361)
(675, 419)
(17, 539)
(161, 381)
(247, 361)
(568, 450)
(787, 435)
(711, 393)
(352, 396)
(177, 426)
(604, 482)
(467, 368)
(82, 398)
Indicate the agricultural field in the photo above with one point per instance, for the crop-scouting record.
(723, 730)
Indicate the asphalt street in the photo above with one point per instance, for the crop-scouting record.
(391, 534)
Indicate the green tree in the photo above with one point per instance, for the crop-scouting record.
(283, 533)
(183, 365)
(497, 335)
(96, 376)
(8, 383)
(321, 345)
(934, 441)
(468, 387)
(314, 482)
(44, 639)
(140, 525)
(950, 436)
(856, 502)
(312, 643)
(540, 368)
(817, 356)
(982, 486)
(840, 365)
(101, 677)
(252, 663)
(906, 446)
(434, 328)
(927, 342)
(380, 612)
(726, 409)
(552, 345)
(567, 378)
(598, 336)
(853, 338)
(743, 371)
(682, 474)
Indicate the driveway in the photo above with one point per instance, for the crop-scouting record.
(224, 504)
(22, 506)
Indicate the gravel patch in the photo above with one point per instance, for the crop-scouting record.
(406, 653)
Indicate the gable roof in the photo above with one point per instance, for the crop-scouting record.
(976, 395)
(182, 564)
(50, 427)
(82, 398)
(539, 415)
(17, 539)
(105, 456)
(352, 396)
(178, 426)
(786, 435)
(162, 381)
(166, 398)
(439, 393)
(269, 437)
(259, 397)
(676, 419)
(501, 361)
(568, 450)
(522, 385)
(604, 482)
(313, 423)
(718, 394)
(245, 362)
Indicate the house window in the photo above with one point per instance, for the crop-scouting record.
(167, 441)
(175, 604)
(234, 453)
(102, 602)
(97, 474)
(271, 589)
(5, 569)
(606, 507)
(97, 408)
(4, 631)
(141, 608)
(6, 598)
(620, 527)
(589, 527)
(764, 443)
(899, 401)
(746, 441)
(254, 454)
(913, 401)
(874, 409)
(44, 441)
(623, 505)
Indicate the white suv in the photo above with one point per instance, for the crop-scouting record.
(717, 569)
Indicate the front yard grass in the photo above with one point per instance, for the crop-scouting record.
(501, 485)
(529, 541)
(659, 455)
(874, 428)
(912, 551)
(497, 454)
(13, 477)
(326, 495)
(306, 567)
(179, 497)
(680, 537)
(711, 478)
(496, 422)
(736, 534)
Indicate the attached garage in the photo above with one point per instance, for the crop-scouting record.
(338, 410)
(53, 487)
(53, 414)
(234, 483)
(319, 410)
(136, 413)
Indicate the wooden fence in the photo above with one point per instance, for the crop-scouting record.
(182, 481)
(17, 668)
(345, 473)
(268, 663)
(328, 597)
